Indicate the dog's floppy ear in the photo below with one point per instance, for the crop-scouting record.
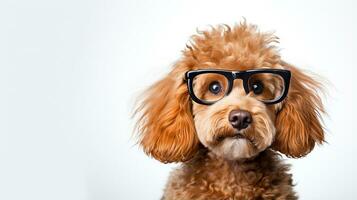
(165, 122)
(298, 123)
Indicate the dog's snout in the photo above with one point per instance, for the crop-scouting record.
(240, 119)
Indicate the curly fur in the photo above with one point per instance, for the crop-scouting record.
(172, 128)
(210, 177)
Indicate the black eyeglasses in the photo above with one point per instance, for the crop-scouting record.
(208, 86)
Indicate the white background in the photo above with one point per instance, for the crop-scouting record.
(70, 71)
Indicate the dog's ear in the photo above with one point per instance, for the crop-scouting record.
(299, 121)
(165, 123)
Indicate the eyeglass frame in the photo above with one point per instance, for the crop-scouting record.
(231, 76)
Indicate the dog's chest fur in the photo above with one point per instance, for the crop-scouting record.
(209, 177)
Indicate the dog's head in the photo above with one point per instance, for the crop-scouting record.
(227, 94)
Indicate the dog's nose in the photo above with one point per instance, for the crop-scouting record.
(240, 119)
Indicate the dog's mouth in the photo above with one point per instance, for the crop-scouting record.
(236, 135)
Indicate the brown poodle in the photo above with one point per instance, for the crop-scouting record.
(225, 111)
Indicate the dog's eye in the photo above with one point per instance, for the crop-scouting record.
(215, 87)
(257, 87)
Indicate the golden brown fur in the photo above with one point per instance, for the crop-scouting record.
(210, 177)
(174, 129)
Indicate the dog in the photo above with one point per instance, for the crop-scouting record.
(227, 111)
